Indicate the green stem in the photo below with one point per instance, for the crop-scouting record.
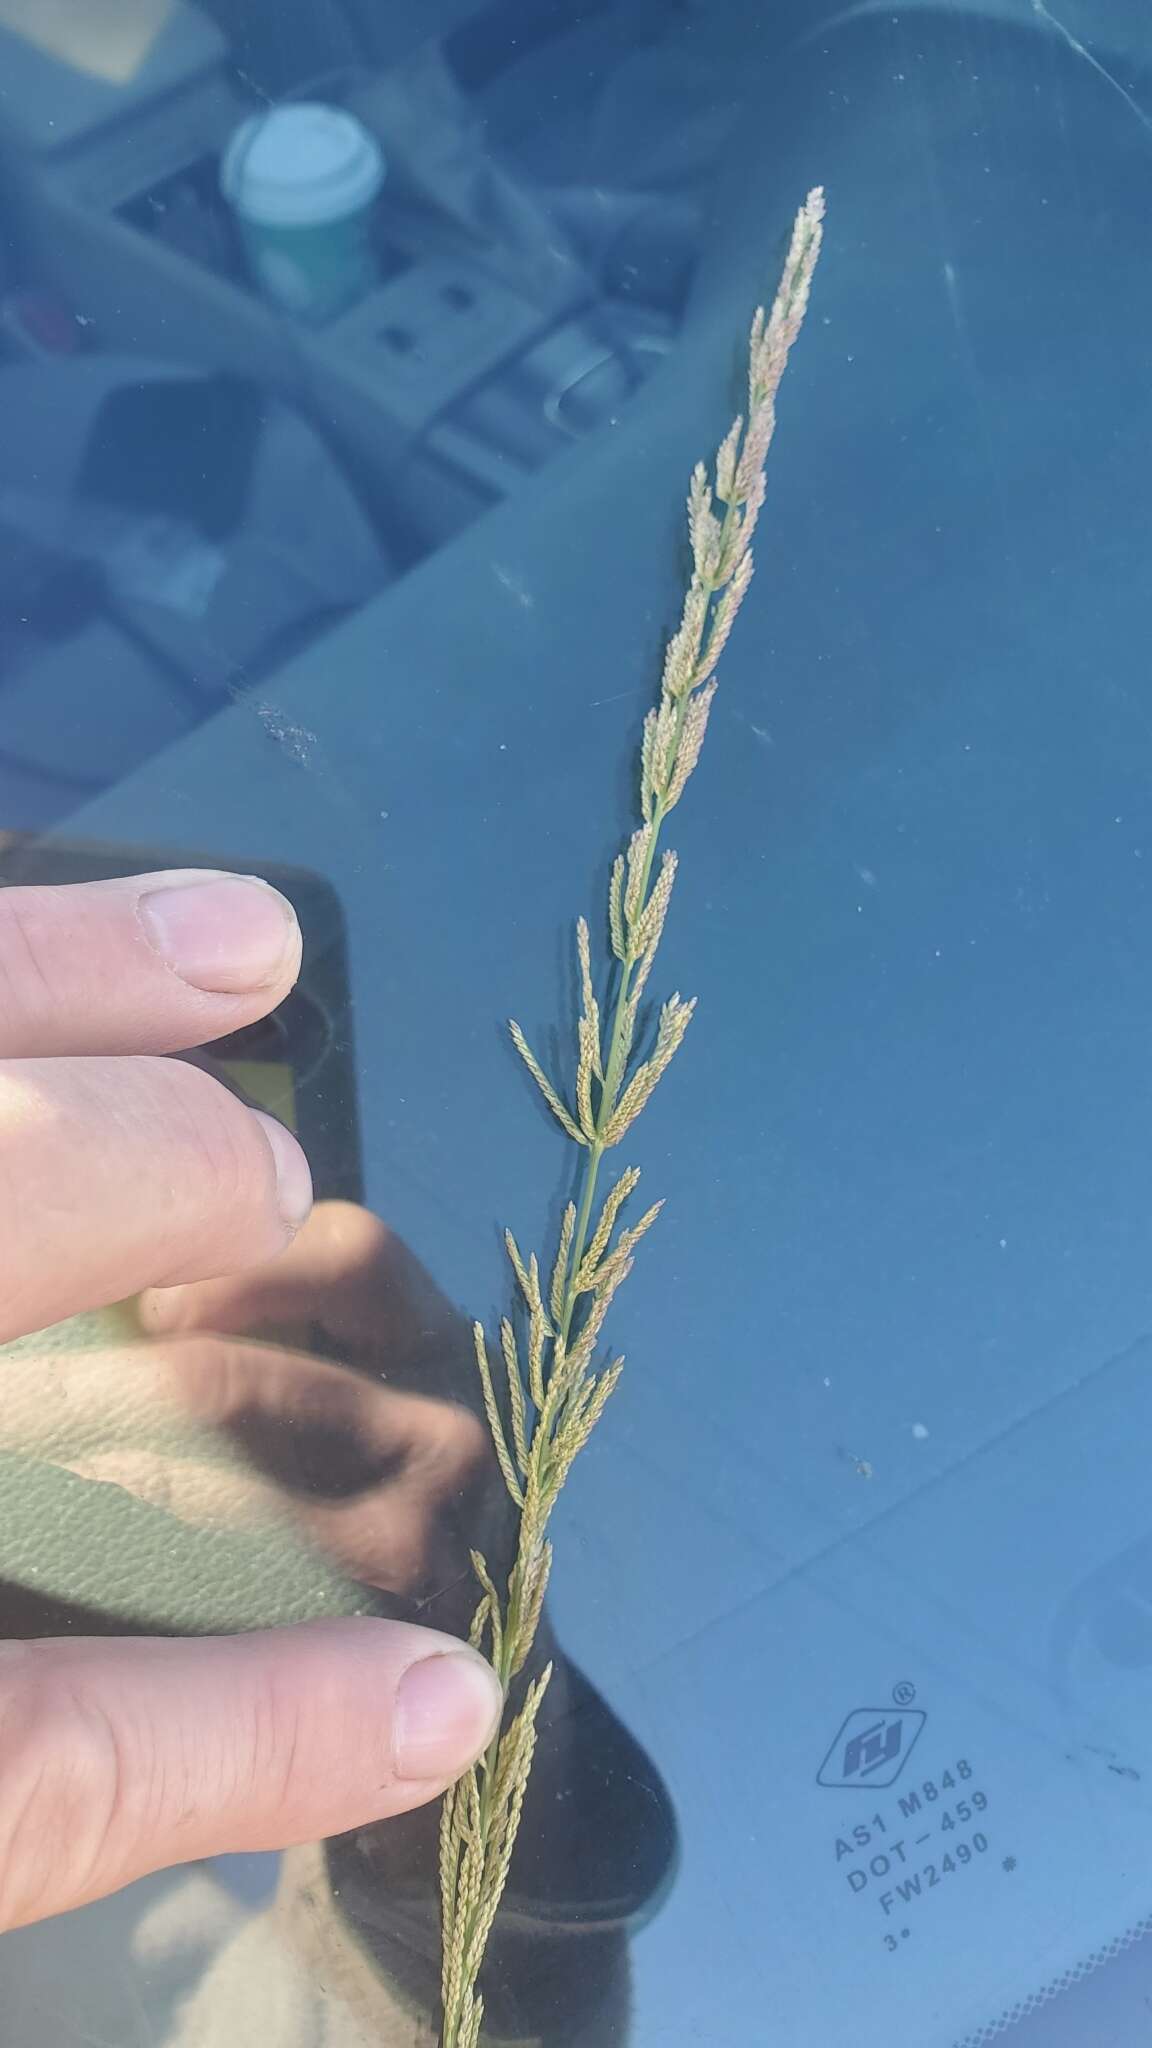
(612, 1077)
(593, 1159)
(592, 1162)
(617, 1050)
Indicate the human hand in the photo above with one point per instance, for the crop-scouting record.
(325, 1394)
(120, 1171)
(344, 1383)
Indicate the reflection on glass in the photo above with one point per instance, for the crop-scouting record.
(310, 1433)
(361, 595)
(107, 39)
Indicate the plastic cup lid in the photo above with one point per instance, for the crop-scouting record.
(300, 165)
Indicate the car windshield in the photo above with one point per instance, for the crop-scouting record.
(355, 360)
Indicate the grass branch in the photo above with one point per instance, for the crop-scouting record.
(556, 1390)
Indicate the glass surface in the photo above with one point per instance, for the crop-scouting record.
(852, 1735)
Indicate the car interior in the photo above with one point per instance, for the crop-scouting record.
(532, 274)
(530, 277)
(214, 510)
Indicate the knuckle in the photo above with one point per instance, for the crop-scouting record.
(226, 1175)
(27, 981)
(61, 1787)
(464, 1447)
(279, 1738)
(453, 1447)
(216, 1378)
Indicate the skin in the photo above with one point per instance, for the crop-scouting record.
(123, 1173)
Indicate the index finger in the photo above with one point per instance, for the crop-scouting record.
(147, 963)
(349, 1276)
(122, 1756)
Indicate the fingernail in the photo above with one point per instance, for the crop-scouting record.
(226, 935)
(293, 1177)
(447, 1710)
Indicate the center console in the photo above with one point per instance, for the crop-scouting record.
(450, 374)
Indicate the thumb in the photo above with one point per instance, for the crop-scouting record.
(118, 1757)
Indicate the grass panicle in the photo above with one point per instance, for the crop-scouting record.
(556, 1393)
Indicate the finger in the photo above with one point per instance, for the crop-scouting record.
(377, 1479)
(223, 1434)
(149, 963)
(122, 1757)
(346, 1268)
(348, 1275)
(120, 1174)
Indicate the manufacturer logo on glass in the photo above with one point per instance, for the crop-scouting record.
(871, 1748)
